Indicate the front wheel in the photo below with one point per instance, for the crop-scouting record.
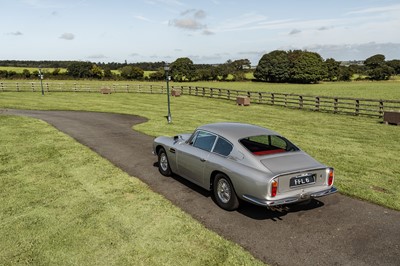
(163, 163)
(224, 193)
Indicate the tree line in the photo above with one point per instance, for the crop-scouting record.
(293, 66)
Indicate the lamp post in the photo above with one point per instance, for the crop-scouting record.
(41, 80)
(169, 118)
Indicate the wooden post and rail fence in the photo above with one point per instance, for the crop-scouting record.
(337, 105)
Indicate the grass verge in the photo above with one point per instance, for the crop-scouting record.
(363, 151)
(63, 204)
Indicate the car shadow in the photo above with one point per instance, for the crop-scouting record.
(250, 210)
(276, 213)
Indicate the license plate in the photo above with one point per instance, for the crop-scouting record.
(302, 180)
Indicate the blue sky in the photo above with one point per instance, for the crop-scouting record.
(206, 31)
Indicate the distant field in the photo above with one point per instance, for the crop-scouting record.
(388, 90)
(31, 69)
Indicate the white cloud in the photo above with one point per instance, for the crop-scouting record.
(15, 33)
(191, 20)
(67, 36)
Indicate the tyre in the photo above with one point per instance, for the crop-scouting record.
(224, 193)
(163, 163)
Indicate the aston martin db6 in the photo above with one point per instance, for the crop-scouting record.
(243, 162)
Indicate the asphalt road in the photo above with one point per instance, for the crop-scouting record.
(335, 230)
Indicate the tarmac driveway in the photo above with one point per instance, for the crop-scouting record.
(335, 230)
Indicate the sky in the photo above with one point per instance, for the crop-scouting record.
(206, 31)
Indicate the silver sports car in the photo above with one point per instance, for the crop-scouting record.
(241, 161)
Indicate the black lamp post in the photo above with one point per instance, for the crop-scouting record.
(41, 79)
(169, 118)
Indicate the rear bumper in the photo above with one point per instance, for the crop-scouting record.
(288, 200)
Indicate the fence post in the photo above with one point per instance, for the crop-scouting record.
(127, 88)
(196, 91)
(335, 105)
(47, 86)
(219, 93)
(316, 104)
(204, 92)
(300, 101)
(75, 87)
(357, 107)
(260, 97)
(211, 92)
(285, 99)
(380, 109)
(17, 87)
(2, 87)
(228, 94)
(272, 98)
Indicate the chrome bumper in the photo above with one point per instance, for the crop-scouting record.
(299, 198)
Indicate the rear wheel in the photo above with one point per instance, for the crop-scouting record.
(224, 193)
(163, 163)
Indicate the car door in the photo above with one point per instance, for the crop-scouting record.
(193, 156)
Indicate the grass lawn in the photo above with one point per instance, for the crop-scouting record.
(62, 204)
(387, 90)
(363, 151)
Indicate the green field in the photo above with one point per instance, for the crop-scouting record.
(31, 69)
(37, 160)
(387, 90)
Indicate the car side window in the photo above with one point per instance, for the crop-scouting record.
(204, 140)
(223, 147)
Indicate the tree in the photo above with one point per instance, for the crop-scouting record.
(182, 69)
(26, 73)
(131, 72)
(107, 73)
(294, 66)
(377, 68)
(158, 75)
(383, 72)
(55, 72)
(306, 67)
(344, 73)
(203, 74)
(80, 69)
(395, 64)
(273, 67)
(375, 61)
(241, 64)
(97, 72)
(332, 69)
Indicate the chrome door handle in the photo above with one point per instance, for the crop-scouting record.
(172, 150)
(202, 159)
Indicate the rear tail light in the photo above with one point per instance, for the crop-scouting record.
(331, 176)
(274, 188)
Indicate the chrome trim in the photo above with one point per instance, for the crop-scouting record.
(301, 197)
(324, 192)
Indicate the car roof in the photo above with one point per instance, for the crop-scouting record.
(235, 131)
